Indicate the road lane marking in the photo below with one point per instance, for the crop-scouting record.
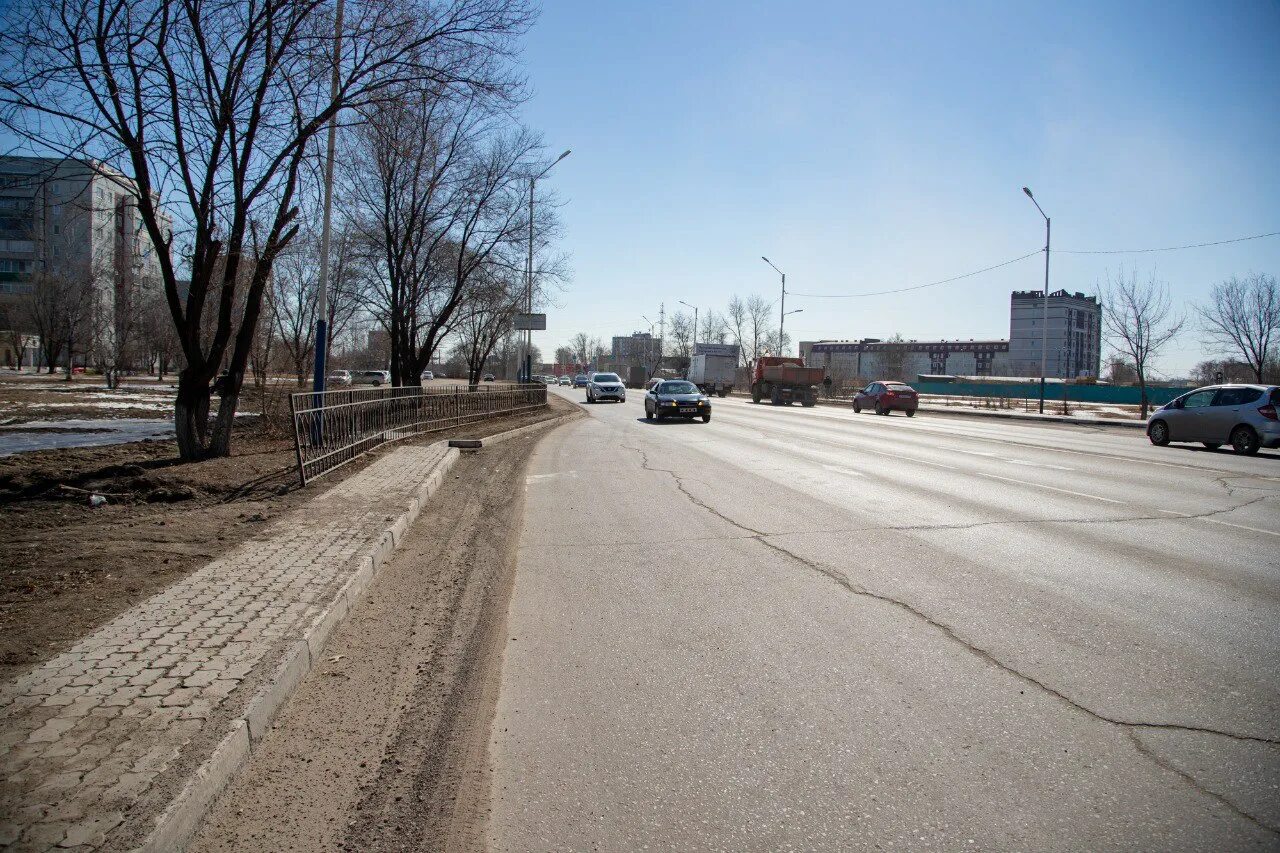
(1237, 526)
(849, 471)
(1030, 464)
(1050, 488)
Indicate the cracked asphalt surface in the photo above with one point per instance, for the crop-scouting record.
(808, 629)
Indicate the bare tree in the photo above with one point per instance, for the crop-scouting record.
(680, 336)
(1138, 321)
(59, 311)
(759, 320)
(581, 344)
(440, 188)
(715, 328)
(487, 318)
(736, 320)
(893, 359)
(564, 355)
(212, 107)
(1243, 319)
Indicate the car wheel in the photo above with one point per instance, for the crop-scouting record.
(881, 410)
(1212, 445)
(1158, 432)
(1244, 441)
(911, 413)
(657, 414)
(706, 419)
(857, 407)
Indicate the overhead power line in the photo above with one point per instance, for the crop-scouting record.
(920, 286)
(1031, 254)
(1165, 248)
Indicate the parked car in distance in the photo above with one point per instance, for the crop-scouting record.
(606, 386)
(338, 377)
(565, 380)
(885, 397)
(488, 377)
(375, 378)
(1243, 416)
(550, 380)
(580, 381)
(427, 376)
(676, 398)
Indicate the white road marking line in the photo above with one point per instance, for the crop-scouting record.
(849, 471)
(1240, 526)
(1038, 464)
(1050, 488)
(972, 452)
(1171, 512)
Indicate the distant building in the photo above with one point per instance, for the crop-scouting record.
(1074, 340)
(638, 345)
(1074, 346)
(872, 358)
(77, 219)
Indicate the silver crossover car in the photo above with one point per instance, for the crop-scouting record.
(606, 386)
(1243, 416)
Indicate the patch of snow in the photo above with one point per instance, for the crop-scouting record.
(37, 435)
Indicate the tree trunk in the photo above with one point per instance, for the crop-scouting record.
(191, 416)
(220, 438)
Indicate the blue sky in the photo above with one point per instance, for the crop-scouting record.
(871, 146)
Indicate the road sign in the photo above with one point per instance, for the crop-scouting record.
(730, 350)
(531, 322)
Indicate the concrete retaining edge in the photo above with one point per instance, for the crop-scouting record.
(177, 824)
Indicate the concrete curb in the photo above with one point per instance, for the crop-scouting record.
(178, 822)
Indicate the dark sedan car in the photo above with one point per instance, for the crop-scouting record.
(885, 397)
(677, 399)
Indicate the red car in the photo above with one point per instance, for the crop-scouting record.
(885, 397)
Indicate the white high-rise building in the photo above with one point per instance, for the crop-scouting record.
(76, 220)
(1074, 345)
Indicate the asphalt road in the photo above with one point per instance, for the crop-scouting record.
(808, 629)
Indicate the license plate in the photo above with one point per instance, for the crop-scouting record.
(688, 410)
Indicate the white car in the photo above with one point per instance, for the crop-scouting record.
(606, 386)
(338, 377)
(427, 376)
(376, 378)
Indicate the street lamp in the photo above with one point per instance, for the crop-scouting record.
(1044, 322)
(782, 307)
(695, 320)
(528, 296)
(322, 298)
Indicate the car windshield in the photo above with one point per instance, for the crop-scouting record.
(677, 388)
(605, 377)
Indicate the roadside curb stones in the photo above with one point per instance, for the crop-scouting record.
(175, 826)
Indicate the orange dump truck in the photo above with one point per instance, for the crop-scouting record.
(780, 380)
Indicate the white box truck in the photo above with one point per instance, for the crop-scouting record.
(714, 367)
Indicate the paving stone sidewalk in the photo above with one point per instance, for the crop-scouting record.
(88, 736)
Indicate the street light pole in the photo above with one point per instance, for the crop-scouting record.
(782, 308)
(1044, 322)
(695, 323)
(528, 294)
(322, 300)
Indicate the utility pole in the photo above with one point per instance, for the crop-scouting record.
(1044, 322)
(322, 302)
(528, 295)
(782, 308)
(662, 332)
(695, 326)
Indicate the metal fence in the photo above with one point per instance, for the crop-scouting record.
(331, 428)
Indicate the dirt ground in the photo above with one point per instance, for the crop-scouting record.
(68, 567)
(383, 746)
